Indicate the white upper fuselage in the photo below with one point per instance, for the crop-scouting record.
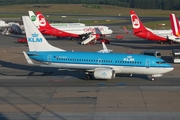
(86, 29)
(66, 24)
(163, 33)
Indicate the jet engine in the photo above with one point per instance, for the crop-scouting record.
(104, 74)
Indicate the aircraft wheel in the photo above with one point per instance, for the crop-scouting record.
(160, 42)
(88, 77)
(171, 42)
(152, 79)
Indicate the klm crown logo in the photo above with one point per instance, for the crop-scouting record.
(35, 35)
(34, 38)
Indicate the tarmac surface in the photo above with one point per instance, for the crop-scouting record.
(31, 92)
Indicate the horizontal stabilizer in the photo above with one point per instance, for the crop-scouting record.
(28, 59)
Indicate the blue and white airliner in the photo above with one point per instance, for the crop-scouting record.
(103, 65)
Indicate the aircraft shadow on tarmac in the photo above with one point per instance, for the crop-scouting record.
(24, 114)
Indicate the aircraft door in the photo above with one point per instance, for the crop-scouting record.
(147, 63)
(49, 58)
(99, 61)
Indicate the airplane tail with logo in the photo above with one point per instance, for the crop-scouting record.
(42, 22)
(35, 39)
(33, 18)
(175, 25)
(136, 22)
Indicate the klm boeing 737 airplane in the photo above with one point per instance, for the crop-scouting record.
(103, 65)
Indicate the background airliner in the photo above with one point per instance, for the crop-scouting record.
(102, 65)
(86, 33)
(4, 26)
(141, 31)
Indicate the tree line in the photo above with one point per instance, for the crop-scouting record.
(143, 4)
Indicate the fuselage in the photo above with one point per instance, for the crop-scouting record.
(121, 63)
(152, 35)
(66, 24)
(75, 31)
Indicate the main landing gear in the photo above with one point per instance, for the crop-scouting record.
(152, 79)
(170, 42)
(88, 76)
(161, 42)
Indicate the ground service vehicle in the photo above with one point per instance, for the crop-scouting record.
(176, 55)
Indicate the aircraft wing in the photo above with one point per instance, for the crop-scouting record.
(127, 31)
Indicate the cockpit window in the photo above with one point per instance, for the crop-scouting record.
(160, 62)
(158, 54)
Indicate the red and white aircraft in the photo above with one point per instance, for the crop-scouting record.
(86, 33)
(141, 31)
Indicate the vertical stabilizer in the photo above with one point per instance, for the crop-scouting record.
(175, 25)
(33, 18)
(35, 39)
(136, 22)
(43, 23)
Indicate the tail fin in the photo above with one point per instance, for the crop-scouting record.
(43, 23)
(175, 25)
(136, 22)
(33, 18)
(35, 39)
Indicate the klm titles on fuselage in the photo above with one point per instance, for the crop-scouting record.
(35, 38)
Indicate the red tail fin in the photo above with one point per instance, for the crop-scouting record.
(175, 25)
(43, 23)
(136, 22)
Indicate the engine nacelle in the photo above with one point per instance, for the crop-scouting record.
(104, 74)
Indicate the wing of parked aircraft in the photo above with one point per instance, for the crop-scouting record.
(127, 31)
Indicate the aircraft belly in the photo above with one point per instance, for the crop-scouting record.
(118, 69)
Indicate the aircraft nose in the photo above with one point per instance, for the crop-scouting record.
(110, 31)
(170, 69)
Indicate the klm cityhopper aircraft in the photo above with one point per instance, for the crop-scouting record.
(102, 65)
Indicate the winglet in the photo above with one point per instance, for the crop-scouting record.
(28, 59)
(105, 50)
(127, 32)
